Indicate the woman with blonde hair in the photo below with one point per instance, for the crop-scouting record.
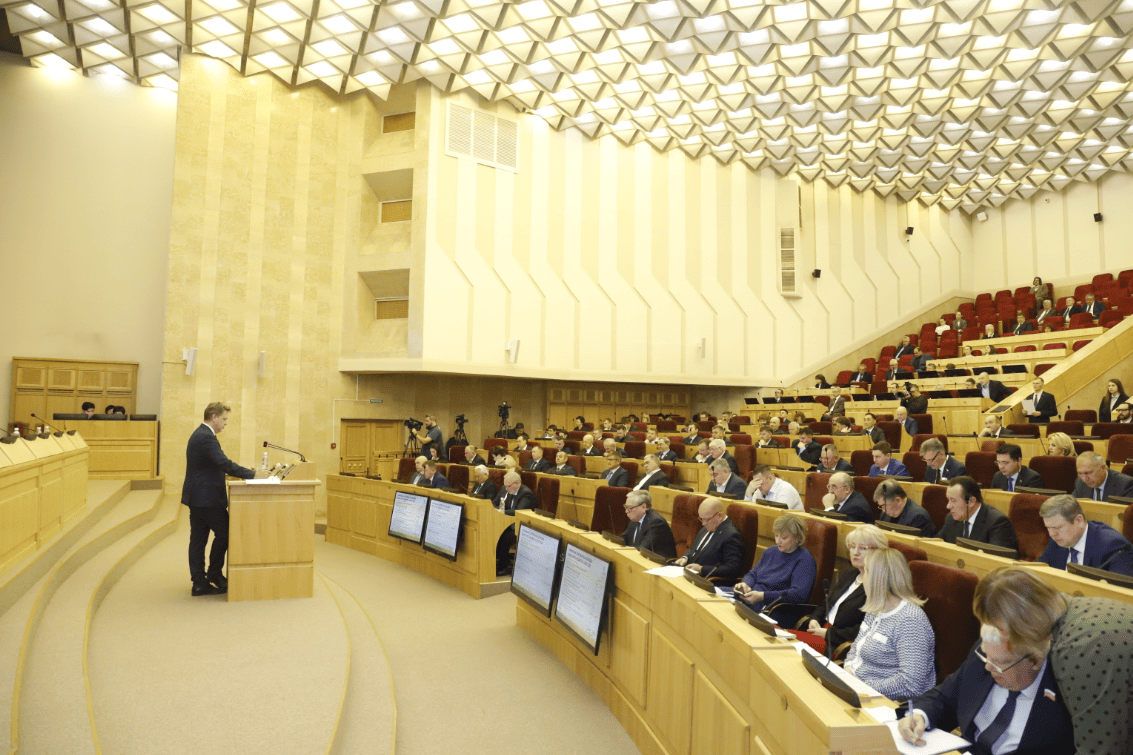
(895, 649)
(1059, 444)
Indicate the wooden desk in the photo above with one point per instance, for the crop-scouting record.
(120, 450)
(270, 551)
(358, 515)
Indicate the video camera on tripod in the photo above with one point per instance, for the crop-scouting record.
(504, 411)
(413, 424)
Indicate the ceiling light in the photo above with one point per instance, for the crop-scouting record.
(216, 49)
(161, 60)
(281, 13)
(271, 59)
(340, 24)
(163, 80)
(33, 11)
(225, 5)
(158, 14)
(277, 36)
(45, 38)
(50, 60)
(370, 78)
(101, 26)
(394, 36)
(446, 47)
(322, 69)
(106, 50)
(461, 23)
(160, 38)
(329, 48)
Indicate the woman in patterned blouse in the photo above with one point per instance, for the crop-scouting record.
(895, 649)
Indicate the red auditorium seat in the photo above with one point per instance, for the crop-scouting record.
(1106, 430)
(531, 481)
(578, 434)
(915, 464)
(822, 542)
(458, 476)
(578, 462)
(1125, 277)
(1022, 290)
(609, 510)
(1070, 427)
(843, 377)
(924, 422)
(635, 449)
(892, 431)
(1050, 346)
(1101, 278)
(1055, 322)
(949, 593)
(1058, 472)
(666, 426)
(934, 500)
(1109, 318)
(970, 333)
(981, 467)
(740, 439)
(989, 446)
(1081, 344)
(405, 468)
(920, 438)
(910, 552)
(491, 443)
(862, 461)
(985, 297)
(1024, 515)
(870, 364)
(822, 428)
(745, 460)
(686, 521)
(746, 520)
(1082, 446)
(1025, 347)
(947, 350)
(1041, 369)
(1125, 306)
(1088, 416)
(1120, 449)
(1081, 320)
(548, 494)
(572, 446)
(815, 489)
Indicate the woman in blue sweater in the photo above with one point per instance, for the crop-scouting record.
(786, 572)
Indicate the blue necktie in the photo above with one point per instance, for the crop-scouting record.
(989, 736)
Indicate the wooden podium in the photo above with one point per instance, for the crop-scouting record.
(271, 537)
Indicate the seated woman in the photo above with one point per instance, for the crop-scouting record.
(785, 573)
(838, 619)
(580, 423)
(1059, 444)
(561, 466)
(843, 426)
(895, 647)
(942, 326)
(820, 382)
(497, 455)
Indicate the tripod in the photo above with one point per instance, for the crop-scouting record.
(504, 427)
(412, 446)
(459, 436)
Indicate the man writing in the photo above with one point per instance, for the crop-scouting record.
(205, 493)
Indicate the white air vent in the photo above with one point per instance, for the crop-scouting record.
(483, 137)
(788, 284)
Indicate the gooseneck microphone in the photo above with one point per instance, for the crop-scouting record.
(58, 432)
(288, 450)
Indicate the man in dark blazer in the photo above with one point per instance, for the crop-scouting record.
(1045, 405)
(969, 518)
(471, 458)
(664, 450)
(1012, 474)
(1092, 307)
(837, 406)
(862, 375)
(939, 466)
(992, 389)
(775, 399)
(870, 428)
(908, 424)
(906, 347)
(433, 478)
(717, 449)
(205, 493)
(898, 509)
(514, 496)
(920, 362)
(1048, 310)
(647, 529)
(1074, 539)
(482, 486)
(806, 448)
(652, 474)
(718, 549)
(561, 467)
(537, 463)
(1098, 483)
(419, 474)
(914, 401)
(884, 463)
(843, 499)
(1021, 325)
(993, 428)
(589, 447)
(614, 474)
(974, 693)
(724, 482)
(692, 434)
(891, 373)
(1070, 309)
(831, 461)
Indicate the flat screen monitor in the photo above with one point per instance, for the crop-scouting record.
(994, 550)
(1100, 574)
(442, 528)
(408, 519)
(536, 566)
(904, 529)
(822, 672)
(582, 602)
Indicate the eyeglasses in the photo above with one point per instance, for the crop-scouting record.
(709, 519)
(632, 506)
(861, 547)
(995, 667)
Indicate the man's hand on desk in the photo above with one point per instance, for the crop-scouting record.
(911, 728)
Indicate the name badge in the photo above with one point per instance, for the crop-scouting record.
(881, 638)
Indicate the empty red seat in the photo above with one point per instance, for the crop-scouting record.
(1042, 368)
(948, 592)
(1050, 346)
(1081, 320)
(548, 494)
(1080, 344)
(746, 520)
(1106, 430)
(1088, 416)
(1120, 449)
(914, 463)
(1025, 347)
(1109, 318)
(1058, 472)
(1070, 427)
(981, 466)
(1101, 278)
(822, 542)
(920, 438)
(1024, 515)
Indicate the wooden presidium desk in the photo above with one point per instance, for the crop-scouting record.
(271, 547)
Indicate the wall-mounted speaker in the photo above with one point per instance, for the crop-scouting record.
(1097, 217)
(909, 231)
(189, 355)
(816, 274)
(513, 350)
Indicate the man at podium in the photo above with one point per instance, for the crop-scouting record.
(205, 493)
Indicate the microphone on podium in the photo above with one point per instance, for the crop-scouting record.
(288, 450)
(58, 432)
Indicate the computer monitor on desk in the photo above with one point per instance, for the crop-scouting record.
(1100, 575)
(994, 550)
(898, 528)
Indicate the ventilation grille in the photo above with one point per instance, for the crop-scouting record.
(483, 137)
(397, 211)
(399, 122)
(788, 284)
(391, 309)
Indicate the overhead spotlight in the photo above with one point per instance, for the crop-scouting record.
(909, 231)
(1097, 217)
(817, 273)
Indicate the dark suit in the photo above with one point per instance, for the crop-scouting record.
(810, 454)
(657, 479)
(856, 508)
(911, 426)
(861, 377)
(731, 463)
(955, 703)
(616, 478)
(524, 498)
(991, 526)
(1045, 314)
(875, 434)
(920, 364)
(1102, 542)
(652, 533)
(594, 451)
(1021, 328)
(693, 440)
(477, 460)
(206, 494)
(538, 466)
(996, 390)
(950, 470)
(438, 481)
(485, 489)
(1115, 483)
(913, 515)
(770, 444)
(902, 351)
(837, 407)
(566, 470)
(733, 486)
(916, 405)
(1027, 478)
(894, 468)
(891, 375)
(722, 554)
(1105, 412)
(1094, 310)
(669, 455)
(850, 616)
(1045, 406)
(841, 466)
(1070, 312)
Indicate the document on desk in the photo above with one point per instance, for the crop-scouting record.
(667, 571)
(856, 684)
(263, 481)
(936, 742)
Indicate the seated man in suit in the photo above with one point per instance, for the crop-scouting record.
(989, 332)
(1074, 540)
(992, 389)
(607, 425)
(652, 474)
(647, 529)
(915, 401)
(894, 368)
(971, 519)
(1097, 482)
(718, 549)
(884, 463)
(1070, 309)
(537, 463)
(724, 481)
(665, 451)
(589, 448)
(514, 496)
(905, 347)
(993, 428)
(560, 445)
(433, 478)
(774, 423)
(1044, 403)
(522, 445)
(896, 508)
(1093, 307)
(471, 457)
(717, 450)
(919, 363)
(1021, 324)
(908, 424)
(609, 447)
(939, 466)
(806, 448)
(862, 375)
(692, 434)
(621, 434)
(1012, 473)
(831, 461)
(775, 398)
(1002, 699)
(1047, 311)
(419, 475)
(702, 456)
(482, 485)
(765, 485)
(870, 428)
(561, 467)
(837, 406)
(719, 432)
(614, 475)
(843, 499)
(765, 439)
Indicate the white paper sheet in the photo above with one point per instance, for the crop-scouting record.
(668, 571)
(936, 742)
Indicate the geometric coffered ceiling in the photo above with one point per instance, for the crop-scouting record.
(966, 103)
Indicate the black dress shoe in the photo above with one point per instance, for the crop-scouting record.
(204, 588)
(221, 582)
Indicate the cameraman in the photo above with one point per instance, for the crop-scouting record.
(431, 437)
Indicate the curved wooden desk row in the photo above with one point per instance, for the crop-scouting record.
(686, 676)
(43, 484)
(358, 515)
(120, 450)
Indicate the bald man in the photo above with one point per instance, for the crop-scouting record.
(718, 549)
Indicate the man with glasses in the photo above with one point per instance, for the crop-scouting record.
(971, 519)
(718, 549)
(896, 508)
(1002, 700)
(831, 461)
(1096, 482)
(514, 495)
(1076, 541)
(724, 482)
(1012, 472)
(647, 529)
(843, 499)
(765, 485)
(652, 474)
(940, 467)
